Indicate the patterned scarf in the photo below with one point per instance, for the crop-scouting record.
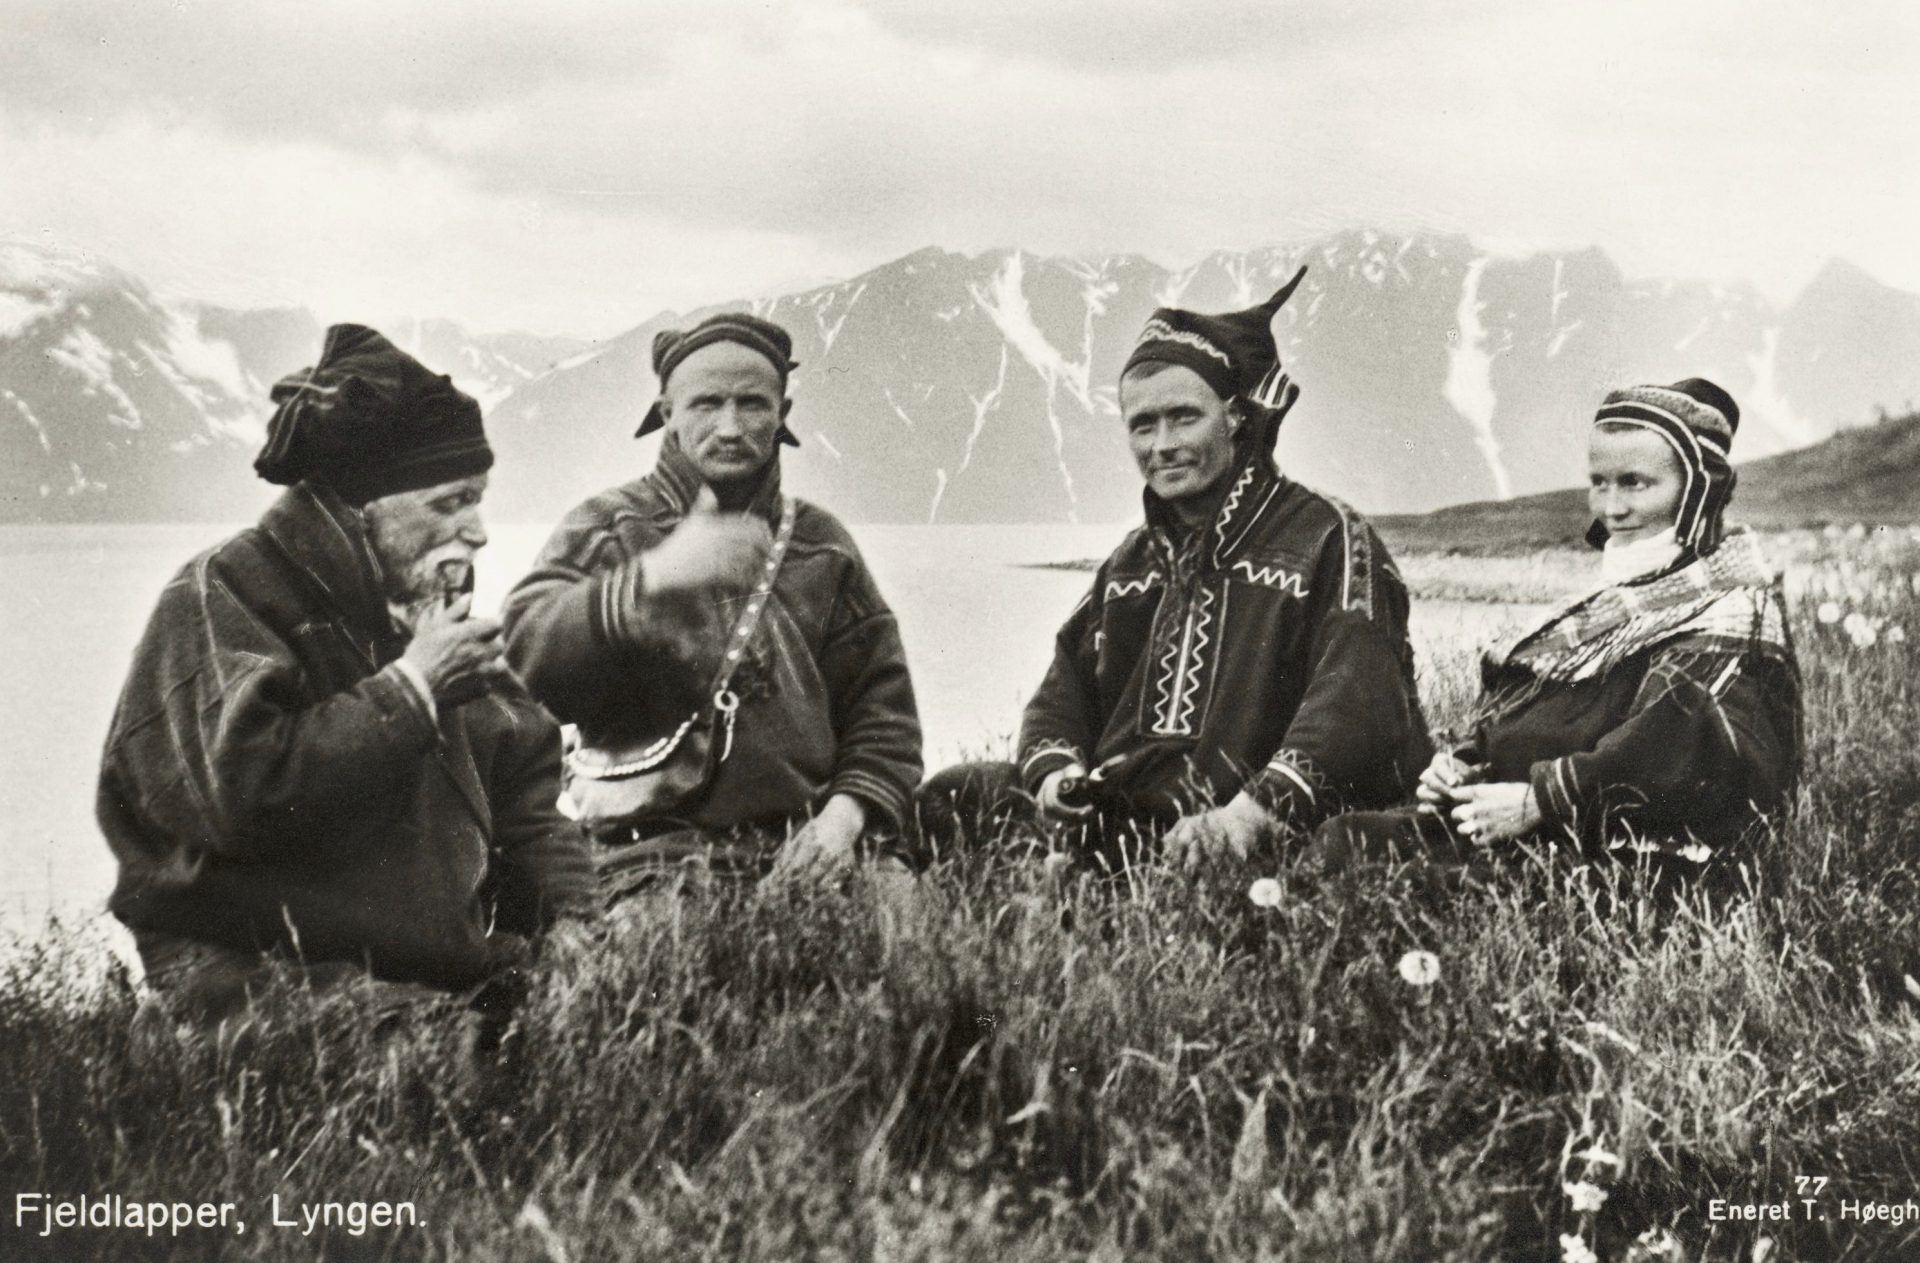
(1730, 596)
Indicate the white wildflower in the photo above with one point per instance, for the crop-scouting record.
(1420, 969)
(1857, 531)
(1865, 635)
(1896, 635)
(1574, 1250)
(1265, 893)
(1698, 852)
(1829, 612)
(1854, 621)
(1586, 1198)
(1655, 1245)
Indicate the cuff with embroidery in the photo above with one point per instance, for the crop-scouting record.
(1293, 791)
(1043, 759)
(1555, 792)
(422, 691)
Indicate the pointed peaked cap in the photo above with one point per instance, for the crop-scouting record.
(1231, 351)
(671, 347)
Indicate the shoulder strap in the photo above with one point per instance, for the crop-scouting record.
(749, 619)
(721, 699)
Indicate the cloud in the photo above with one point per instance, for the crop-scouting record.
(596, 157)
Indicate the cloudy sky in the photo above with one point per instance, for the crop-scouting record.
(575, 166)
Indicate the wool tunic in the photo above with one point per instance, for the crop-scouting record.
(272, 782)
(826, 703)
(1266, 652)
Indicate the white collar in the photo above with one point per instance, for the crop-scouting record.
(1620, 562)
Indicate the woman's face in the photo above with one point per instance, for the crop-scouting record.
(1634, 482)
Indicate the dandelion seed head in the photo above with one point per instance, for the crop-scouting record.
(1420, 969)
(1575, 1250)
(1586, 1197)
(1829, 612)
(1265, 893)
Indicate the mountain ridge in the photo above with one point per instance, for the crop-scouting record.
(950, 387)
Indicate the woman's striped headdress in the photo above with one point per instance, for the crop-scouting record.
(1697, 419)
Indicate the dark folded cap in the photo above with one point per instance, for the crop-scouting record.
(369, 420)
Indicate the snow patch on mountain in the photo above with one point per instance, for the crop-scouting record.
(20, 312)
(1765, 399)
(939, 494)
(982, 405)
(33, 422)
(1692, 335)
(82, 352)
(1005, 303)
(828, 332)
(1469, 385)
(1560, 336)
(898, 411)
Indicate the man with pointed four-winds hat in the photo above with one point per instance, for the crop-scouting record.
(1239, 669)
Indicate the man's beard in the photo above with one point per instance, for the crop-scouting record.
(436, 578)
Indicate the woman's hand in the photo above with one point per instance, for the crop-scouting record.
(1442, 778)
(1499, 812)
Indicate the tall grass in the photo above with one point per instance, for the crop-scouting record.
(1014, 1074)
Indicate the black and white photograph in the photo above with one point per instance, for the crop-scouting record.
(870, 630)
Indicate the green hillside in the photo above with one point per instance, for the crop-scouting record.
(1870, 474)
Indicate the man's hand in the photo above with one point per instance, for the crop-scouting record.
(1499, 812)
(1049, 797)
(826, 845)
(709, 550)
(460, 657)
(1446, 774)
(1229, 831)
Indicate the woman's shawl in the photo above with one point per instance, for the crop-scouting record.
(1729, 599)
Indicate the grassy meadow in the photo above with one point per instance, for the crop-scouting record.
(1017, 1074)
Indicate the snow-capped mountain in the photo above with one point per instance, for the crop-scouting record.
(118, 406)
(952, 388)
(948, 388)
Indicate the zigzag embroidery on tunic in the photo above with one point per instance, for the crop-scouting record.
(1279, 578)
(1131, 587)
(1356, 591)
(1184, 669)
(1226, 544)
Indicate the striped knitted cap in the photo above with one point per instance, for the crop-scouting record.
(1697, 419)
(672, 346)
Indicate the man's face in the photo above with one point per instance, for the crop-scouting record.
(1180, 431)
(425, 540)
(726, 404)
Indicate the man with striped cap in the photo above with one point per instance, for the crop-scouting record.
(737, 682)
